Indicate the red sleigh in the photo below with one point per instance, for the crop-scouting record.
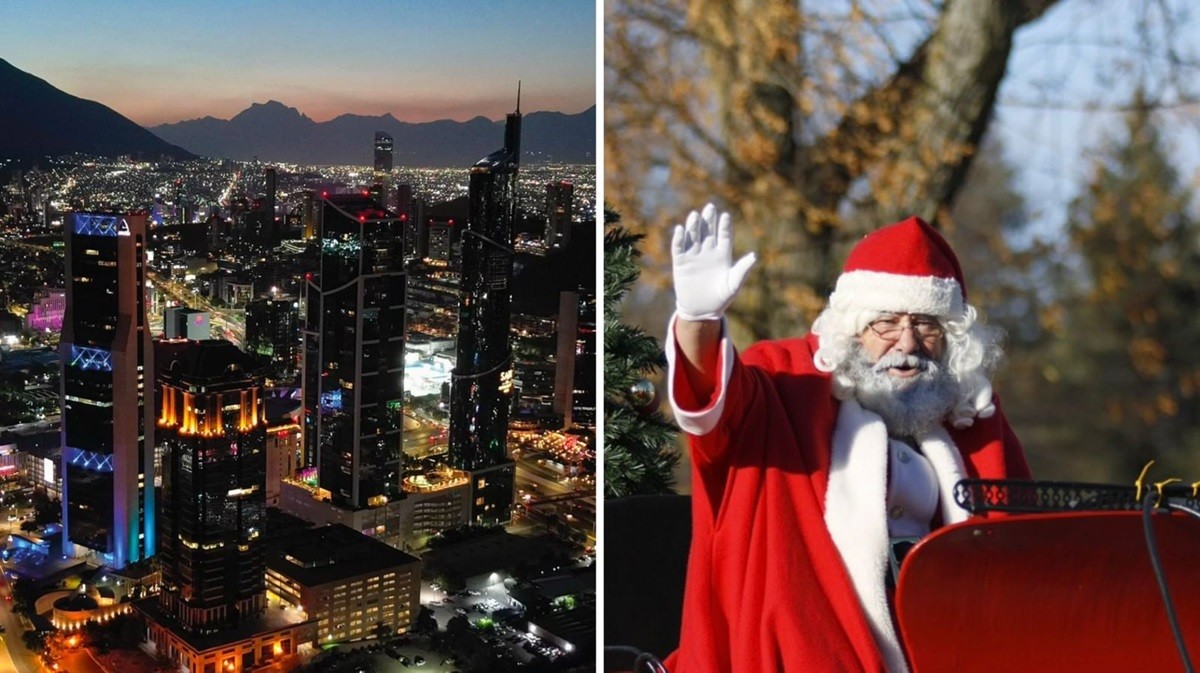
(1066, 583)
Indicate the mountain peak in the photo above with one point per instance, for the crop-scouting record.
(272, 131)
(271, 112)
(48, 121)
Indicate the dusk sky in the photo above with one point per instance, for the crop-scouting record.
(158, 61)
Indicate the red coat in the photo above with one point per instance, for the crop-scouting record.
(784, 567)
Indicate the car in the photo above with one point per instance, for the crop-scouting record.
(391, 652)
(419, 660)
(405, 661)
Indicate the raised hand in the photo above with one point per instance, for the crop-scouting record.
(706, 277)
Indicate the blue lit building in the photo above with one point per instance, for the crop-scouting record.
(107, 355)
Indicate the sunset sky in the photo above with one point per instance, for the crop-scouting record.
(158, 61)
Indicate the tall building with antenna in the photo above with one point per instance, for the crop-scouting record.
(482, 380)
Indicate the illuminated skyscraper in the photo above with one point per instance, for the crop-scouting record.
(559, 209)
(270, 233)
(383, 151)
(309, 218)
(354, 354)
(107, 355)
(213, 508)
(482, 381)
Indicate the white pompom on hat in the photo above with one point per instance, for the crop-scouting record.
(905, 267)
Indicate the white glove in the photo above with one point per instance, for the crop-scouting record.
(706, 278)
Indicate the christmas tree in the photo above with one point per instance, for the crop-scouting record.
(639, 443)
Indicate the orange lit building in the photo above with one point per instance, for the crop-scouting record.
(212, 424)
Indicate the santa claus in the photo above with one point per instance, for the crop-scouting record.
(816, 458)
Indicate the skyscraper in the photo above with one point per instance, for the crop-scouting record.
(383, 151)
(270, 233)
(273, 331)
(559, 209)
(354, 354)
(108, 457)
(213, 508)
(482, 381)
(309, 219)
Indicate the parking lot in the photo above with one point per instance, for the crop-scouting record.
(403, 655)
(489, 603)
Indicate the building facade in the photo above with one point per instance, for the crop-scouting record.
(383, 151)
(560, 199)
(273, 332)
(180, 322)
(46, 313)
(482, 381)
(213, 505)
(575, 363)
(354, 354)
(108, 441)
(351, 585)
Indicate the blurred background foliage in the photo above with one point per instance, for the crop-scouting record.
(816, 122)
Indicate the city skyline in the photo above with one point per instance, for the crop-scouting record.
(444, 61)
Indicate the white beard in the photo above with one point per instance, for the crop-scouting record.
(910, 407)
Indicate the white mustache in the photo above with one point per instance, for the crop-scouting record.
(894, 359)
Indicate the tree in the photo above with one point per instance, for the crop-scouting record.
(1126, 358)
(1012, 279)
(426, 623)
(639, 454)
(792, 118)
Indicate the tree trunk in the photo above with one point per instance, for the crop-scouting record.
(911, 139)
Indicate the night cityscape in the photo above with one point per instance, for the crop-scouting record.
(269, 416)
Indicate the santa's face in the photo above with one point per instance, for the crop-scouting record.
(902, 378)
(896, 336)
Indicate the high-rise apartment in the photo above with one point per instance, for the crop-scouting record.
(559, 210)
(354, 354)
(213, 505)
(383, 151)
(482, 381)
(107, 357)
(270, 233)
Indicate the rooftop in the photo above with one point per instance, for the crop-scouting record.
(577, 626)
(210, 359)
(489, 553)
(331, 553)
(266, 622)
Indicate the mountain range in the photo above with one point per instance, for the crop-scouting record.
(38, 120)
(273, 131)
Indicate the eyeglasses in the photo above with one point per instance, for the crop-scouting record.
(924, 327)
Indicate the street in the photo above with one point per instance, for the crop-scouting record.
(14, 656)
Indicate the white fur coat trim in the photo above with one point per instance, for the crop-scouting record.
(701, 421)
(856, 510)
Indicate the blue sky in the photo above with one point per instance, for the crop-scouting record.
(1069, 81)
(168, 60)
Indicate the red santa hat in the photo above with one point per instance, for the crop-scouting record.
(905, 267)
